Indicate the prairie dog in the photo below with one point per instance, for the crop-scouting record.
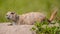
(28, 18)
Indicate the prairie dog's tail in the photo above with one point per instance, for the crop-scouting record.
(53, 15)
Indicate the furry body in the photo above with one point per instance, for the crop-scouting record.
(28, 18)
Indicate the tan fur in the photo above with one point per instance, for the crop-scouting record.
(30, 18)
(53, 15)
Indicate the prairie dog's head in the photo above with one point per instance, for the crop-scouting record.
(11, 16)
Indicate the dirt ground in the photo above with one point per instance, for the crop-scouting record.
(19, 29)
(16, 29)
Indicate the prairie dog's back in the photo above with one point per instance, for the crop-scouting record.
(30, 18)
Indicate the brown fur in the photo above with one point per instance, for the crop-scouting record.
(28, 18)
(53, 15)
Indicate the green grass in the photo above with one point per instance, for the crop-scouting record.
(45, 28)
(23, 6)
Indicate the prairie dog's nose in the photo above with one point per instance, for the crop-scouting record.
(8, 17)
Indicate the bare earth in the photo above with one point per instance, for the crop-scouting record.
(16, 29)
(19, 29)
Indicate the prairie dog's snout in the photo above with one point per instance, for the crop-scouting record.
(7, 16)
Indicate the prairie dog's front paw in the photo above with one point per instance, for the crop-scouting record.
(10, 24)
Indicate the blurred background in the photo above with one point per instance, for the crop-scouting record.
(24, 6)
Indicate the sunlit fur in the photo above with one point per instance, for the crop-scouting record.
(28, 18)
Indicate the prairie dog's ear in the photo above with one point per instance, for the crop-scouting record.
(12, 12)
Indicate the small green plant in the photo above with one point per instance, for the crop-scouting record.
(41, 29)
